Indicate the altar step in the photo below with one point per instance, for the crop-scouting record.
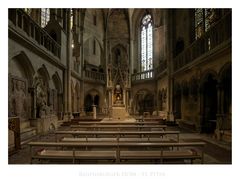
(27, 134)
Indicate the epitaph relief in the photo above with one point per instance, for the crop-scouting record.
(18, 98)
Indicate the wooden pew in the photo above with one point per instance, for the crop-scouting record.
(115, 123)
(118, 134)
(75, 155)
(119, 127)
(118, 155)
(162, 154)
(113, 139)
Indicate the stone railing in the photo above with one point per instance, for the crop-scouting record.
(92, 75)
(143, 75)
(219, 32)
(23, 21)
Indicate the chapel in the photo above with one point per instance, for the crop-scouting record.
(119, 86)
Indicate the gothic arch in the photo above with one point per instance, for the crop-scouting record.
(93, 92)
(44, 73)
(208, 100)
(137, 16)
(57, 82)
(225, 81)
(23, 60)
(143, 101)
(92, 96)
(223, 70)
(57, 94)
(124, 11)
(206, 74)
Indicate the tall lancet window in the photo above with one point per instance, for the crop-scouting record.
(204, 17)
(45, 16)
(146, 46)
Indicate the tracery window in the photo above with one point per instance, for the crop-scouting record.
(71, 19)
(203, 20)
(45, 16)
(28, 10)
(146, 46)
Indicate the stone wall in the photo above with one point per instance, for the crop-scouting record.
(190, 82)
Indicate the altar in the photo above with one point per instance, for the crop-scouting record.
(118, 113)
(118, 84)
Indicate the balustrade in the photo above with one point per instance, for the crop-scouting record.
(94, 75)
(217, 34)
(23, 21)
(143, 75)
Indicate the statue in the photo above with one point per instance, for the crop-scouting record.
(18, 101)
(118, 94)
(42, 107)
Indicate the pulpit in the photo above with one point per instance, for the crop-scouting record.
(14, 125)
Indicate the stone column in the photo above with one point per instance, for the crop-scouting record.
(110, 99)
(131, 55)
(169, 65)
(94, 112)
(82, 95)
(69, 56)
(60, 16)
(53, 14)
(127, 100)
(34, 102)
(60, 105)
(220, 112)
(200, 110)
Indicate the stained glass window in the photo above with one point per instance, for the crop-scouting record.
(45, 16)
(202, 20)
(71, 20)
(146, 45)
(28, 10)
(207, 18)
(199, 26)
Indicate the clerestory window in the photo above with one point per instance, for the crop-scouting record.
(146, 45)
(45, 16)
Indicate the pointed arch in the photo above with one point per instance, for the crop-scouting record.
(93, 92)
(57, 82)
(206, 74)
(44, 72)
(23, 60)
(226, 68)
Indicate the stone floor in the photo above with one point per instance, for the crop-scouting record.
(215, 152)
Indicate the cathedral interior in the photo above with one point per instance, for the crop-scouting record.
(119, 86)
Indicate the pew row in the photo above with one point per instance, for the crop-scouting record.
(117, 134)
(114, 139)
(167, 151)
(120, 127)
(115, 123)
